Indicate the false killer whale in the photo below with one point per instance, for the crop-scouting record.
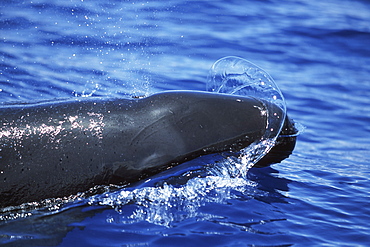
(56, 149)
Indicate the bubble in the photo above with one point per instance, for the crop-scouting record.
(237, 76)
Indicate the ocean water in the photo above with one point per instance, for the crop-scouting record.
(318, 53)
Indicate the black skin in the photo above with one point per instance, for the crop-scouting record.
(50, 150)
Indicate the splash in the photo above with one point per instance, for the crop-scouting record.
(169, 200)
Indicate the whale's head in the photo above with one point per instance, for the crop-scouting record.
(177, 126)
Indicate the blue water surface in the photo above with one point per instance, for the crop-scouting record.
(318, 52)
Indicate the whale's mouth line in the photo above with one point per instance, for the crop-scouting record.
(298, 130)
